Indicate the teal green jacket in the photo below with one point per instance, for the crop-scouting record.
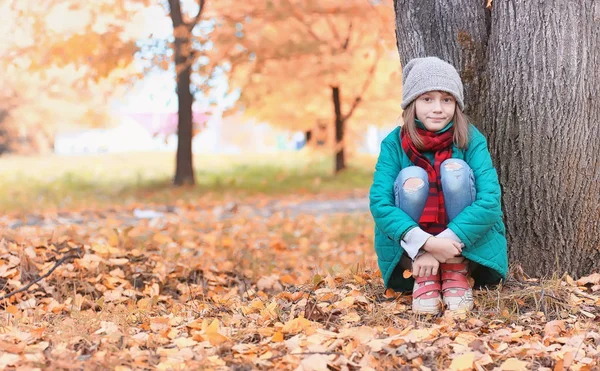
(479, 225)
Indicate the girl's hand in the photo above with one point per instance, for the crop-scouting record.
(443, 248)
(425, 265)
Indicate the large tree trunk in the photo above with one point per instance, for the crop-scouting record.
(541, 110)
(340, 159)
(536, 97)
(184, 168)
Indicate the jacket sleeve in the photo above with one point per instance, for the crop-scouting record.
(479, 217)
(389, 219)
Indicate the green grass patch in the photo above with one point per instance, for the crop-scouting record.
(54, 182)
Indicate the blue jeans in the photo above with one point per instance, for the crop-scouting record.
(458, 185)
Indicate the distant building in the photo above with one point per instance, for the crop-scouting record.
(157, 131)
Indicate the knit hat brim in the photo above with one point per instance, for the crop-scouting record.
(414, 95)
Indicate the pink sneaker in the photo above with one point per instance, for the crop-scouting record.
(456, 291)
(426, 295)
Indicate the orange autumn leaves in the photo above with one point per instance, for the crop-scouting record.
(196, 288)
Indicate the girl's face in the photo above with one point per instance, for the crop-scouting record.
(435, 109)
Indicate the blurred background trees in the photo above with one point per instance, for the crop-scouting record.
(62, 61)
(314, 67)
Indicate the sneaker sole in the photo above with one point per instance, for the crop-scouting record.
(427, 311)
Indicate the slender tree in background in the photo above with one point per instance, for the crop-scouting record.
(184, 59)
(533, 85)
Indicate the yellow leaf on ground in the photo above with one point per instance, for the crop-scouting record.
(513, 364)
(570, 280)
(12, 309)
(296, 325)
(213, 335)
(345, 303)
(277, 337)
(463, 362)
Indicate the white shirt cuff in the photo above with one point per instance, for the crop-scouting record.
(413, 241)
(447, 233)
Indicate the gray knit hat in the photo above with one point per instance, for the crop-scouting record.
(421, 75)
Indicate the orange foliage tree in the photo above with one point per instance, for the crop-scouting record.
(299, 62)
(63, 60)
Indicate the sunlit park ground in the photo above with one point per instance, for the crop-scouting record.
(29, 184)
(242, 290)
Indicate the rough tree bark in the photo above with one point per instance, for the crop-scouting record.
(535, 93)
(184, 58)
(455, 31)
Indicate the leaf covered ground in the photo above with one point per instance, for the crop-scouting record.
(224, 286)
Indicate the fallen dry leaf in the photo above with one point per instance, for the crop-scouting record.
(296, 325)
(593, 279)
(213, 335)
(513, 364)
(463, 362)
(554, 328)
(277, 337)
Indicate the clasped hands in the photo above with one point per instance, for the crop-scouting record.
(437, 250)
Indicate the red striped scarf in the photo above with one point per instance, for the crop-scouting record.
(434, 218)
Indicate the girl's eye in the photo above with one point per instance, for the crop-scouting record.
(426, 99)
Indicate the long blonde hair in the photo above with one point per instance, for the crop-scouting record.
(461, 127)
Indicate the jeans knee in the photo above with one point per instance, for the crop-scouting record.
(454, 164)
(412, 185)
(456, 176)
(411, 172)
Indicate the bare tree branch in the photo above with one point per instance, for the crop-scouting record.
(300, 18)
(175, 13)
(347, 42)
(366, 84)
(198, 16)
(334, 30)
(76, 255)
